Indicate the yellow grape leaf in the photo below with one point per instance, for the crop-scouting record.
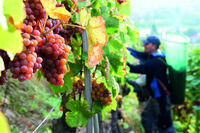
(94, 55)
(97, 37)
(48, 5)
(60, 13)
(96, 31)
(56, 12)
(1, 65)
(4, 127)
(14, 8)
(84, 16)
(11, 41)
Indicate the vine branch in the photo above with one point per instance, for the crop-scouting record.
(73, 25)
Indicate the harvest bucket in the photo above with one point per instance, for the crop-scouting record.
(176, 56)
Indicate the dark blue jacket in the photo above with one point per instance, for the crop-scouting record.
(154, 68)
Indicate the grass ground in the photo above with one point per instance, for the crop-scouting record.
(27, 103)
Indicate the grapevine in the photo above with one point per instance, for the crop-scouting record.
(53, 43)
(42, 49)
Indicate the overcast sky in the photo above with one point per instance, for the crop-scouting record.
(151, 4)
(166, 8)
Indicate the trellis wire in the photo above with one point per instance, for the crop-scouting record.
(47, 115)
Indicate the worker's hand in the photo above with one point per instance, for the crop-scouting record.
(128, 64)
(126, 46)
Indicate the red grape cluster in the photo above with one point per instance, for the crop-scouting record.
(54, 53)
(34, 12)
(48, 51)
(67, 33)
(78, 86)
(52, 22)
(100, 93)
(6, 59)
(26, 63)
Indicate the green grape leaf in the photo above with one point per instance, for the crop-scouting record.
(1, 65)
(85, 56)
(95, 12)
(96, 4)
(98, 107)
(112, 106)
(67, 81)
(111, 81)
(71, 58)
(115, 45)
(75, 18)
(75, 68)
(112, 25)
(56, 89)
(125, 8)
(106, 50)
(122, 37)
(76, 40)
(79, 115)
(133, 33)
(15, 9)
(11, 41)
(82, 4)
(104, 12)
(115, 62)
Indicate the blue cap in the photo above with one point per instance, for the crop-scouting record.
(152, 39)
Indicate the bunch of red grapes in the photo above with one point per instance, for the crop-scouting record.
(47, 50)
(78, 86)
(100, 93)
(27, 62)
(54, 53)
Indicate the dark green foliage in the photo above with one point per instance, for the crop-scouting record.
(79, 113)
(112, 25)
(189, 111)
(114, 61)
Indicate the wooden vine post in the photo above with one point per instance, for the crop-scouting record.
(92, 122)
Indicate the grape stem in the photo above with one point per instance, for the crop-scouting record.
(94, 71)
(72, 25)
(44, 23)
(53, 27)
(80, 96)
(73, 6)
(74, 95)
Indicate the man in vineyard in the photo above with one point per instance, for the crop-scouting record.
(157, 110)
